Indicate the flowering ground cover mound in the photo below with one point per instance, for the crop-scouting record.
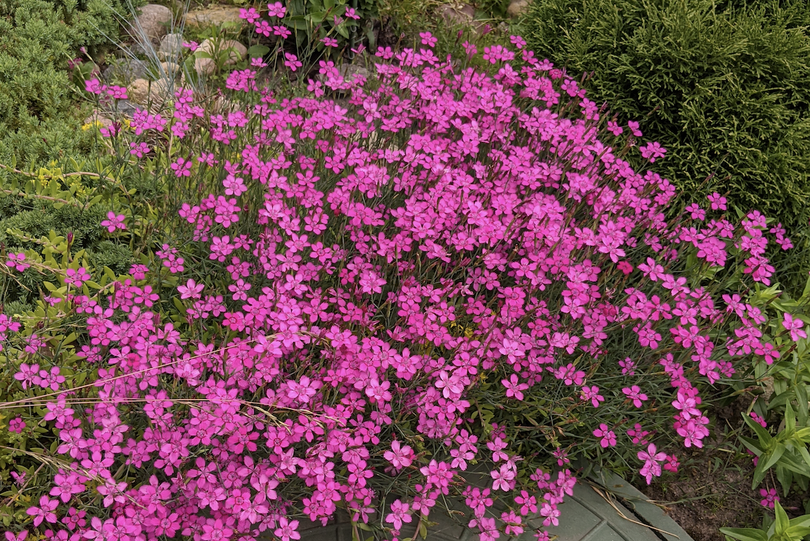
(348, 307)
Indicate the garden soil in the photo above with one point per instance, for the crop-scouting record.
(712, 490)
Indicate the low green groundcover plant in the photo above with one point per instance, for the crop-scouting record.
(359, 294)
(40, 40)
(724, 86)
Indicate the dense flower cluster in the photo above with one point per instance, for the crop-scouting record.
(377, 276)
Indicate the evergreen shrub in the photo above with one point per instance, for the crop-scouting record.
(725, 87)
(39, 39)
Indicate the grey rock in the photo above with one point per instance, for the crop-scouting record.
(457, 15)
(170, 69)
(152, 24)
(517, 8)
(171, 46)
(349, 71)
(126, 70)
(207, 66)
(143, 92)
(98, 118)
(461, 15)
(125, 107)
(214, 16)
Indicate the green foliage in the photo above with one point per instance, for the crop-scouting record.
(38, 38)
(784, 448)
(724, 87)
(117, 257)
(493, 8)
(49, 204)
(781, 529)
(313, 20)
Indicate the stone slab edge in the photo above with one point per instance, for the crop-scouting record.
(641, 506)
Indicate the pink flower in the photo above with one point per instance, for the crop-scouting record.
(794, 325)
(192, 290)
(769, 498)
(514, 388)
(114, 221)
(652, 151)
(634, 393)
(400, 455)
(428, 39)
(250, 15)
(276, 10)
(633, 125)
(329, 42)
(551, 513)
(651, 459)
(16, 425)
(45, 511)
(287, 530)
(614, 128)
(398, 515)
(504, 477)
(93, 86)
(625, 267)
(517, 41)
(17, 261)
(759, 419)
(608, 437)
(291, 61)
(717, 201)
(592, 394)
(181, 167)
(76, 277)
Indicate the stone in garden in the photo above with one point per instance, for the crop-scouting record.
(463, 15)
(237, 53)
(138, 49)
(457, 15)
(171, 46)
(122, 107)
(165, 70)
(350, 70)
(517, 8)
(214, 16)
(99, 118)
(126, 70)
(207, 66)
(143, 92)
(170, 69)
(152, 23)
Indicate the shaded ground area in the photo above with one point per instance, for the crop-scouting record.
(712, 489)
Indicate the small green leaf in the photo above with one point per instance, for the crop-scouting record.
(179, 305)
(752, 445)
(790, 417)
(258, 51)
(774, 456)
(763, 435)
(745, 534)
(782, 521)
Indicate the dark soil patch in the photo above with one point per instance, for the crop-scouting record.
(712, 488)
(703, 498)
